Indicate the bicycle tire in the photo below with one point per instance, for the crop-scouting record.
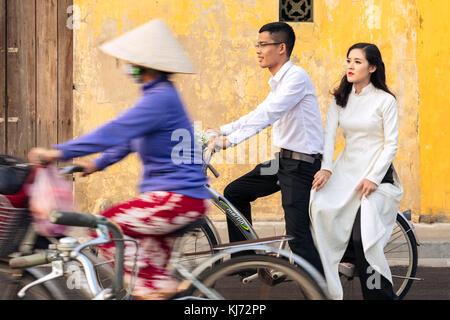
(188, 245)
(229, 280)
(402, 275)
(405, 286)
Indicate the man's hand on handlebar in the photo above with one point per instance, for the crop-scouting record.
(219, 143)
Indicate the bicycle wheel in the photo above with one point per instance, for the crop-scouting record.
(258, 277)
(401, 254)
(196, 246)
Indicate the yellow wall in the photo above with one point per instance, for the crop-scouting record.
(219, 35)
(433, 62)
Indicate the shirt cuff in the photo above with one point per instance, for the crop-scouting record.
(226, 129)
(235, 138)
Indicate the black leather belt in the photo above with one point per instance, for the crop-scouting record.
(288, 154)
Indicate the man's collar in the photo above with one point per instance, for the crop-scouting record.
(280, 73)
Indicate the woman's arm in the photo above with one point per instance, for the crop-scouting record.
(390, 126)
(330, 136)
(146, 116)
(322, 176)
(113, 155)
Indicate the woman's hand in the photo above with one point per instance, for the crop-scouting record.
(367, 188)
(320, 179)
(41, 157)
(89, 167)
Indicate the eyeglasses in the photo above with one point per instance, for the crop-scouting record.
(259, 45)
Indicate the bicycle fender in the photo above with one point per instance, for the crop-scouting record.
(411, 227)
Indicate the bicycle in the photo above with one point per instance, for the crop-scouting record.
(400, 251)
(104, 283)
(204, 282)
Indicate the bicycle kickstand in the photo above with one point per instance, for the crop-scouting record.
(57, 271)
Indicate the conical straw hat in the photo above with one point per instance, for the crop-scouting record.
(151, 45)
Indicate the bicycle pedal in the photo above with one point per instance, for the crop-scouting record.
(269, 278)
(347, 269)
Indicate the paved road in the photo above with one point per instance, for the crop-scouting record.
(435, 286)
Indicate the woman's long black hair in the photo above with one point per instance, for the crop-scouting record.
(378, 78)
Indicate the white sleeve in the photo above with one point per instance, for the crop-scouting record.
(231, 127)
(330, 136)
(291, 92)
(390, 127)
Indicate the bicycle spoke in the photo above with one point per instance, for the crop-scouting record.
(390, 241)
(410, 278)
(395, 247)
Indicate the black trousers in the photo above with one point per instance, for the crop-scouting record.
(295, 181)
(373, 285)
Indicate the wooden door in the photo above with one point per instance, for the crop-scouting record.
(36, 59)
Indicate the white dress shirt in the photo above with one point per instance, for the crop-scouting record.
(291, 107)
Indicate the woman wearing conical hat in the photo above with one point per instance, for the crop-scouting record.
(171, 190)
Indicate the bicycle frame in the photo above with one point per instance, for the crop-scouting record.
(232, 213)
(225, 205)
(192, 276)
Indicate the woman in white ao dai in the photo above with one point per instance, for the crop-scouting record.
(355, 198)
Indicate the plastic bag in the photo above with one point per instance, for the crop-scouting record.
(49, 192)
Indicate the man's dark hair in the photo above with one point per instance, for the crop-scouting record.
(281, 32)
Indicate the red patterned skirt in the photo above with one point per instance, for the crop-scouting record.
(149, 219)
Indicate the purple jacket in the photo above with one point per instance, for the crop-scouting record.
(159, 130)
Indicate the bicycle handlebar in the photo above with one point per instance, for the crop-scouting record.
(214, 171)
(75, 219)
(91, 221)
(29, 261)
(71, 169)
(207, 161)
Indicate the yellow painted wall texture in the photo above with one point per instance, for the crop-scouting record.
(219, 35)
(433, 62)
